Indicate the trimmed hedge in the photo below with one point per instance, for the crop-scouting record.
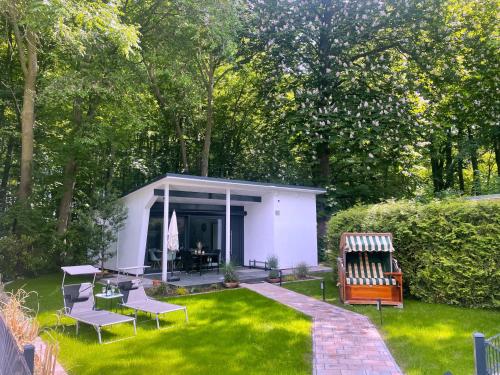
(449, 251)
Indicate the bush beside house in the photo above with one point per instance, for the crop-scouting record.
(30, 245)
(449, 250)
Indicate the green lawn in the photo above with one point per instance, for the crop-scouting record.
(424, 338)
(229, 332)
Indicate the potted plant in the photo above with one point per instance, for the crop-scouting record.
(272, 263)
(231, 279)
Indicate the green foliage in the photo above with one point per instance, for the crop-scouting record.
(181, 291)
(14, 256)
(301, 271)
(158, 290)
(272, 264)
(95, 230)
(381, 100)
(28, 245)
(448, 250)
(230, 275)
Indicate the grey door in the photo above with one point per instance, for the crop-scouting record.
(237, 240)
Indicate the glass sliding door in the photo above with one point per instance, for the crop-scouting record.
(181, 227)
(154, 245)
(207, 230)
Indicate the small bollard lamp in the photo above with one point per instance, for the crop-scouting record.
(322, 285)
(379, 308)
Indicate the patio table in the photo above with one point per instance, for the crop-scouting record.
(206, 255)
(109, 297)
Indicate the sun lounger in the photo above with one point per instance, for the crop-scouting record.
(79, 305)
(135, 298)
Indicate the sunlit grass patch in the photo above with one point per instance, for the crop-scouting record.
(424, 338)
(229, 332)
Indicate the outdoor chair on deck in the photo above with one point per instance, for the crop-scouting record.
(367, 271)
(79, 305)
(154, 258)
(135, 298)
(187, 260)
(214, 260)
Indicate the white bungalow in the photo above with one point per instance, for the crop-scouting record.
(246, 220)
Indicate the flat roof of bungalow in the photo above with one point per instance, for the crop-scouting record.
(176, 177)
(483, 197)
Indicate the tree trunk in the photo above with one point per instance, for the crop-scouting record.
(322, 171)
(210, 123)
(7, 165)
(325, 84)
(162, 103)
(496, 145)
(437, 173)
(436, 166)
(67, 197)
(69, 179)
(28, 116)
(12, 141)
(450, 163)
(110, 172)
(460, 172)
(182, 144)
(460, 160)
(476, 183)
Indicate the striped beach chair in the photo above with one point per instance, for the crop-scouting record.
(368, 273)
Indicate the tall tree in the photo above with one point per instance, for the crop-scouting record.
(339, 69)
(19, 15)
(214, 48)
(94, 40)
(456, 83)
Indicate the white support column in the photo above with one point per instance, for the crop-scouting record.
(228, 225)
(164, 263)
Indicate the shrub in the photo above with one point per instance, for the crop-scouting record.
(181, 291)
(301, 270)
(272, 263)
(89, 237)
(230, 275)
(162, 289)
(449, 250)
(27, 242)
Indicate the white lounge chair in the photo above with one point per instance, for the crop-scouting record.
(135, 298)
(79, 303)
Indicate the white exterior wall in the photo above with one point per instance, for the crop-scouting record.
(131, 238)
(291, 235)
(295, 229)
(259, 229)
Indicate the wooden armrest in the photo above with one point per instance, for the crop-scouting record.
(393, 273)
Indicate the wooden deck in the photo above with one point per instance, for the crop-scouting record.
(246, 275)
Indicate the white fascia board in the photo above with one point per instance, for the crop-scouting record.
(201, 183)
(237, 184)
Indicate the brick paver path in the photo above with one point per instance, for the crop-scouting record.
(344, 342)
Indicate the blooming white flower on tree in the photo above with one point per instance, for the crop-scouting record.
(341, 62)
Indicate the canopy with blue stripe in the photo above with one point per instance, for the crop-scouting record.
(368, 242)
